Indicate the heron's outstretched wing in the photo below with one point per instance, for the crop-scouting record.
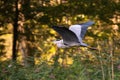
(77, 30)
(67, 35)
(84, 27)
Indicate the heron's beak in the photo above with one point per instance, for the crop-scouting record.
(55, 42)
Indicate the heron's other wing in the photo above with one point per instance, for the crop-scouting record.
(77, 30)
(84, 27)
(67, 35)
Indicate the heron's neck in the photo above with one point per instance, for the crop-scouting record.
(60, 44)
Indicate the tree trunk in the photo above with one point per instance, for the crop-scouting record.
(25, 44)
(15, 32)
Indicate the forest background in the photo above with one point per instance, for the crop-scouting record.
(27, 51)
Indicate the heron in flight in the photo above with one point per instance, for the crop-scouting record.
(73, 35)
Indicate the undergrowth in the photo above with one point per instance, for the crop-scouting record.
(77, 71)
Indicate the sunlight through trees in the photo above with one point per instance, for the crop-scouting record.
(26, 38)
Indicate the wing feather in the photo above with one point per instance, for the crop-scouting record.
(67, 35)
(84, 27)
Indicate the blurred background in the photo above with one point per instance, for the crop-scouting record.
(27, 51)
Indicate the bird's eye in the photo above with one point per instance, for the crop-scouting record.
(65, 44)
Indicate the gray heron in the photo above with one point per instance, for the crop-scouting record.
(73, 35)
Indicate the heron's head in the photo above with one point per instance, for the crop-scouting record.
(59, 44)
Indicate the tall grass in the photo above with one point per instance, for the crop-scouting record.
(76, 71)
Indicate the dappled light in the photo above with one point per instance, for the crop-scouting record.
(27, 49)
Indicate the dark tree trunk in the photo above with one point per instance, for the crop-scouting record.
(21, 36)
(15, 32)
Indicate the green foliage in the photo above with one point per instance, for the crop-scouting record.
(79, 70)
(43, 72)
(38, 16)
